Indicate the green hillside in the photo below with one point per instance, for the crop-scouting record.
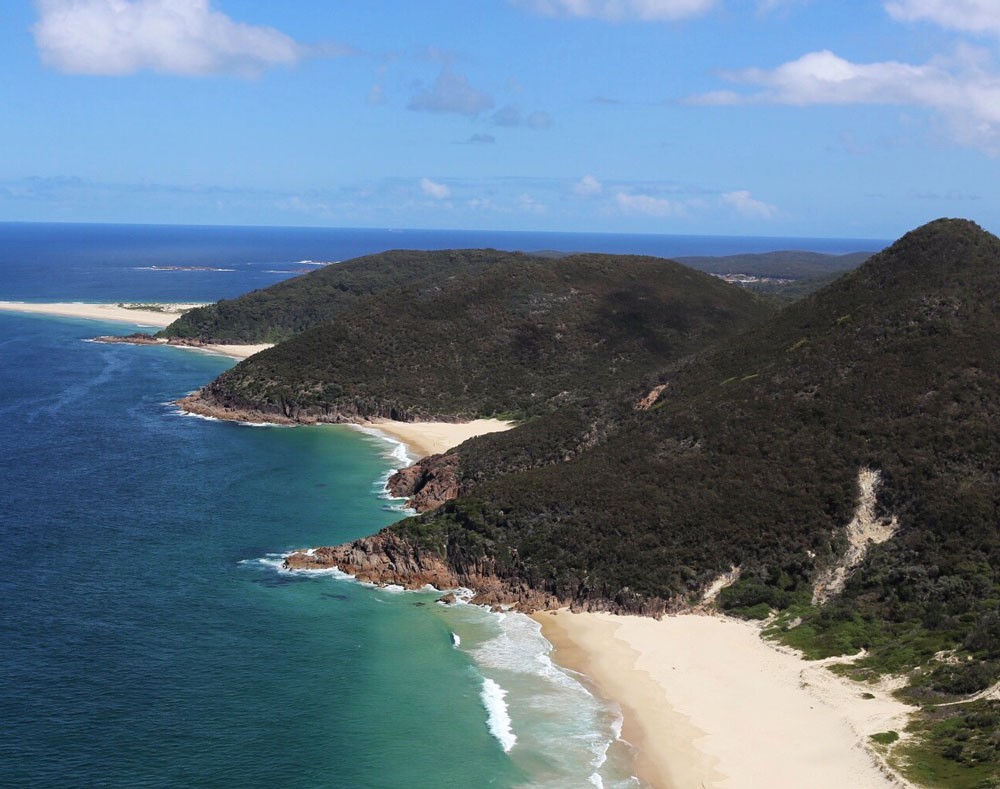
(479, 333)
(750, 458)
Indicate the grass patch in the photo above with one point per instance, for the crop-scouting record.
(885, 737)
(956, 747)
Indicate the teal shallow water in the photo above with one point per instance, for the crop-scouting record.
(149, 640)
(146, 637)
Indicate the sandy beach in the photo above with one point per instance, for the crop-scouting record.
(432, 438)
(159, 318)
(707, 703)
(163, 316)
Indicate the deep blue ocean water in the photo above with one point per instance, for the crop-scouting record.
(147, 637)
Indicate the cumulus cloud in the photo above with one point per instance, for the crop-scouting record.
(185, 37)
(451, 92)
(620, 10)
(962, 90)
(434, 189)
(747, 205)
(648, 205)
(967, 16)
(588, 186)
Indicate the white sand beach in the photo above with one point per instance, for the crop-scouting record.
(707, 703)
(158, 318)
(432, 438)
(164, 315)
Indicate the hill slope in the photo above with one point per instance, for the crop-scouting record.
(751, 457)
(481, 333)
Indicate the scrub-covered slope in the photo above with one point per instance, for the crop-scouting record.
(484, 333)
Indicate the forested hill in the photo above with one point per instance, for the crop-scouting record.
(278, 312)
(786, 264)
(751, 458)
(467, 333)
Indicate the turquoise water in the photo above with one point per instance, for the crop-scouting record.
(147, 634)
(150, 640)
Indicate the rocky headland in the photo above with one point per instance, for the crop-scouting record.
(388, 558)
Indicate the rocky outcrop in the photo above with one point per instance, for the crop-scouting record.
(650, 399)
(389, 558)
(198, 404)
(382, 559)
(139, 338)
(428, 483)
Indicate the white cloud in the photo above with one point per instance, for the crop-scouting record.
(186, 37)
(588, 186)
(967, 16)
(451, 92)
(747, 205)
(962, 90)
(434, 189)
(620, 10)
(648, 205)
(528, 204)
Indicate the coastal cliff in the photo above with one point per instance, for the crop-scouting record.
(388, 558)
(428, 483)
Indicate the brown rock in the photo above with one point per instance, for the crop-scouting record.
(428, 483)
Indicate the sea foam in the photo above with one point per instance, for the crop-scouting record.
(498, 718)
(559, 721)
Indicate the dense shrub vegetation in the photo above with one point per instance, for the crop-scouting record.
(748, 455)
(481, 333)
(750, 458)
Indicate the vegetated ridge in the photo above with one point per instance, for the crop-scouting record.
(869, 408)
(461, 334)
(273, 314)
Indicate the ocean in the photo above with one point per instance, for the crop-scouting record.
(148, 636)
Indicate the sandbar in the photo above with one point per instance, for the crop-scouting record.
(433, 438)
(159, 318)
(708, 703)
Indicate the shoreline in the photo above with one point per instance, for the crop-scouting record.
(113, 313)
(104, 312)
(707, 702)
(422, 439)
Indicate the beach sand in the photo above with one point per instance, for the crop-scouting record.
(432, 438)
(159, 318)
(103, 312)
(707, 703)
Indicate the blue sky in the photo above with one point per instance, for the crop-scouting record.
(737, 117)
